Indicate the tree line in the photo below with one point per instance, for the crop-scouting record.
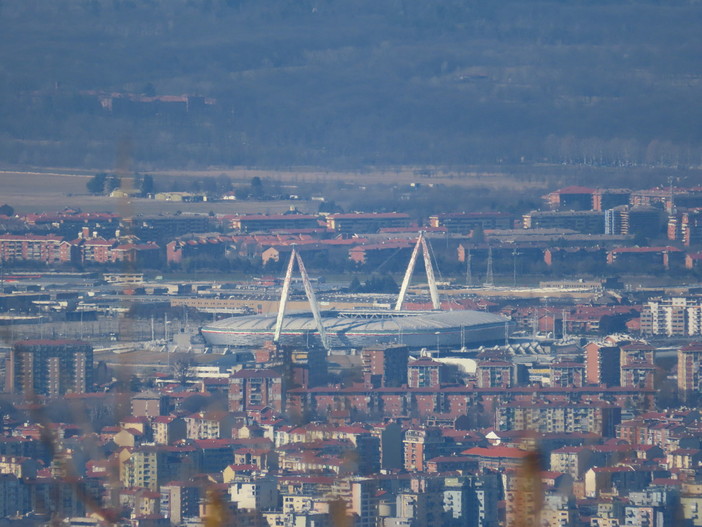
(350, 84)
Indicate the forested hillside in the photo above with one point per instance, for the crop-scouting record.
(350, 83)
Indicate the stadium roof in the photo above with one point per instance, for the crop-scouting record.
(367, 321)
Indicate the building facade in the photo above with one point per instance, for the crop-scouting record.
(690, 372)
(50, 367)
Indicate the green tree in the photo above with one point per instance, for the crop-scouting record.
(182, 370)
(146, 186)
(102, 183)
(355, 285)
(96, 184)
(256, 187)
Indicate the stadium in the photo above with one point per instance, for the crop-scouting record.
(416, 329)
(360, 328)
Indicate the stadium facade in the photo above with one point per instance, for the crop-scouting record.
(416, 329)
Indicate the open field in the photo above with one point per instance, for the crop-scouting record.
(35, 190)
(53, 191)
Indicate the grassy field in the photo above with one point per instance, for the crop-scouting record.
(33, 190)
(36, 191)
(53, 191)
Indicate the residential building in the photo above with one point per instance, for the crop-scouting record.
(14, 496)
(48, 249)
(639, 220)
(421, 445)
(608, 198)
(168, 428)
(385, 366)
(376, 253)
(50, 367)
(364, 502)
(603, 363)
(180, 501)
(209, 425)
(690, 372)
(149, 466)
(255, 389)
(571, 198)
(571, 460)
(587, 221)
(596, 418)
(471, 500)
(495, 374)
(675, 316)
(465, 222)
(638, 366)
(356, 223)
(161, 228)
(691, 227)
(643, 258)
(653, 507)
(270, 222)
(423, 372)
(258, 493)
(148, 404)
(497, 458)
(422, 504)
(140, 469)
(209, 245)
(567, 374)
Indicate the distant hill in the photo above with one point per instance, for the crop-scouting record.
(337, 84)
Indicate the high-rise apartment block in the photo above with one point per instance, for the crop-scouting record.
(690, 372)
(672, 317)
(691, 227)
(255, 389)
(638, 368)
(424, 372)
(50, 367)
(602, 364)
(385, 366)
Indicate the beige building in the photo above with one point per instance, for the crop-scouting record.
(573, 461)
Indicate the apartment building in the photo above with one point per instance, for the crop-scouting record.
(50, 367)
(675, 316)
(48, 249)
(371, 222)
(465, 222)
(270, 222)
(690, 372)
(587, 221)
(255, 389)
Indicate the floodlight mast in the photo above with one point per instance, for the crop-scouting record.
(433, 291)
